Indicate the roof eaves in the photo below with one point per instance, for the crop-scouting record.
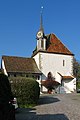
(67, 77)
(51, 53)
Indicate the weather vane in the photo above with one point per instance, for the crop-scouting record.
(41, 20)
(42, 9)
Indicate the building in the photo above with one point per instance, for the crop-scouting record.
(20, 66)
(50, 55)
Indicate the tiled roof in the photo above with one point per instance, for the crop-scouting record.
(67, 77)
(56, 46)
(48, 83)
(20, 64)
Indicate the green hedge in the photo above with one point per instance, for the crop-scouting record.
(78, 85)
(25, 89)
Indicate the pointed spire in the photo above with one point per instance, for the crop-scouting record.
(41, 20)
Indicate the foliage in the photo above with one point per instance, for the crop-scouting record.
(78, 84)
(25, 89)
(76, 72)
(5, 90)
(76, 68)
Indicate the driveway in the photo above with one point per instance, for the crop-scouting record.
(53, 107)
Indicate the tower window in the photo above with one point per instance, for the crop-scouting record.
(38, 77)
(14, 75)
(41, 43)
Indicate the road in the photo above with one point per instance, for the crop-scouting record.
(53, 107)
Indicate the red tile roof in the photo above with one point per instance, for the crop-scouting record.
(20, 64)
(49, 83)
(67, 77)
(56, 46)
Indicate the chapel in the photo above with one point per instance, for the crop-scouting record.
(49, 56)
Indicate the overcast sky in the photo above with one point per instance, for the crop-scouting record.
(20, 21)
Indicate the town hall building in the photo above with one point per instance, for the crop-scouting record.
(50, 55)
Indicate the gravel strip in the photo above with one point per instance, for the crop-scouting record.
(53, 107)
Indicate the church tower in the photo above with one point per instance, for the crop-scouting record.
(41, 40)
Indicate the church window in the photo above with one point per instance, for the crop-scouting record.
(26, 75)
(8, 75)
(14, 75)
(63, 62)
(38, 77)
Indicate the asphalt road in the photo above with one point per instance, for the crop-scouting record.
(53, 107)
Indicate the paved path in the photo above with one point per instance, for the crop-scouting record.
(53, 107)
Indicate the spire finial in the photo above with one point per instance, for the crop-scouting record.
(42, 9)
(41, 21)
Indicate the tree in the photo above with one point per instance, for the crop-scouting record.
(76, 68)
(50, 82)
(7, 110)
(76, 71)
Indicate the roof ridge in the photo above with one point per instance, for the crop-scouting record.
(17, 57)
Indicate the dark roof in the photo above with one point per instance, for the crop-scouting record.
(20, 64)
(54, 45)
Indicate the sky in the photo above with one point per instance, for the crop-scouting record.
(20, 22)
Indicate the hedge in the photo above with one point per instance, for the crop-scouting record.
(78, 85)
(25, 89)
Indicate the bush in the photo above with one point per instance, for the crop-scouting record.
(5, 89)
(25, 89)
(78, 85)
(6, 109)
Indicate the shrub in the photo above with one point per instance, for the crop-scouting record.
(78, 85)
(25, 89)
(5, 90)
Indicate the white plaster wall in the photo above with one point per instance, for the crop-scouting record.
(44, 89)
(39, 44)
(64, 90)
(36, 57)
(54, 63)
(71, 85)
(58, 77)
(44, 44)
(3, 67)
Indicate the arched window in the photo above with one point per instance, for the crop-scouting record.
(50, 76)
